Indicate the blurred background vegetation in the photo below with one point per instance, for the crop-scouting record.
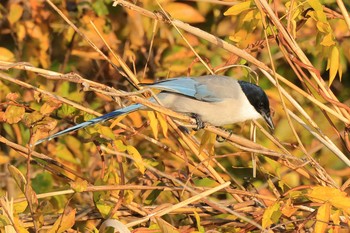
(39, 49)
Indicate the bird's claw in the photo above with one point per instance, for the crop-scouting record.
(222, 139)
(199, 122)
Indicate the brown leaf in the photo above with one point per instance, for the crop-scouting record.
(12, 96)
(48, 107)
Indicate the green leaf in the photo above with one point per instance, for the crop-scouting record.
(100, 8)
(42, 182)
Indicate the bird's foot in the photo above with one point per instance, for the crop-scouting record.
(222, 139)
(199, 122)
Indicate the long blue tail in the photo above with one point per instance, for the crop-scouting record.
(94, 121)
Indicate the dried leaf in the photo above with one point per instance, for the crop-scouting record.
(12, 96)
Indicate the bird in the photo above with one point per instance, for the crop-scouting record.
(214, 99)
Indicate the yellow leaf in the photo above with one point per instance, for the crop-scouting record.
(340, 71)
(4, 159)
(153, 123)
(20, 225)
(22, 183)
(323, 27)
(18, 176)
(184, 12)
(48, 107)
(79, 185)
(20, 32)
(336, 217)
(249, 16)
(64, 222)
(342, 203)
(6, 55)
(288, 209)
(271, 215)
(318, 7)
(120, 145)
(208, 140)
(165, 226)
(333, 64)
(328, 40)
(14, 114)
(20, 207)
(163, 124)
(322, 218)
(238, 8)
(137, 158)
(15, 13)
(321, 194)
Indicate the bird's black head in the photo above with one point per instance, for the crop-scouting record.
(258, 99)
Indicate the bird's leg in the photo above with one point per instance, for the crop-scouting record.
(199, 122)
(221, 139)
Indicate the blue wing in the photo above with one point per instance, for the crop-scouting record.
(192, 87)
(94, 121)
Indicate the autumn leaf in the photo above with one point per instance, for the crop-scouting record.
(322, 217)
(133, 152)
(238, 8)
(64, 222)
(153, 123)
(271, 215)
(333, 64)
(14, 114)
(184, 12)
(15, 13)
(6, 55)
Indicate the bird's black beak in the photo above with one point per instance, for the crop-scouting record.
(269, 122)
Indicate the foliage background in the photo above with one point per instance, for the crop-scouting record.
(37, 46)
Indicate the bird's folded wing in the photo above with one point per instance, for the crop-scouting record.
(191, 87)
